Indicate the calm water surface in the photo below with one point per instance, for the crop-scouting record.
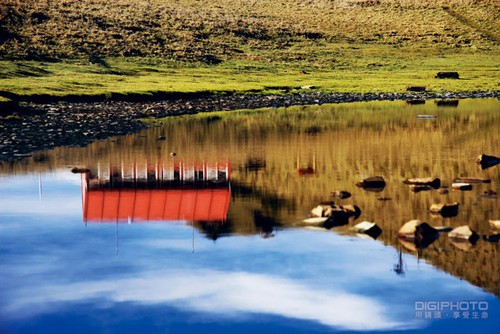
(212, 240)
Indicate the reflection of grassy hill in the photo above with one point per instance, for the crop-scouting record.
(353, 45)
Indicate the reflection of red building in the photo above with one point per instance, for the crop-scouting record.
(162, 191)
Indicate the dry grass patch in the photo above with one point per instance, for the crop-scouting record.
(212, 31)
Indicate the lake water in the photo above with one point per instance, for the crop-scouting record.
(211, 239)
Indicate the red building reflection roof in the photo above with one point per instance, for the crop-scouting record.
(103, 205)
(159, 191)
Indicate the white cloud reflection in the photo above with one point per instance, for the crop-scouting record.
(218, 292)
(63, 263)
(45, 194)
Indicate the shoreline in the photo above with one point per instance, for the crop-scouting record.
(38, 127)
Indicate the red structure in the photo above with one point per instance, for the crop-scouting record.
(156, 192)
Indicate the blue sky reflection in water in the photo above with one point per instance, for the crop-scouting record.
(60, 275)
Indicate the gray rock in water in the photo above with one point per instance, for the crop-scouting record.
(445, 210)
(461, 186)
(433, 182)
(367, 228)
(487, 161)
(341, 194)
(463, 237)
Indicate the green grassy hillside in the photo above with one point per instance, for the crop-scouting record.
(123, 37)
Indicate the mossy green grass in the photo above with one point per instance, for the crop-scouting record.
(345, 68)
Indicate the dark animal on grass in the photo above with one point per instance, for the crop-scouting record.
(415, 88)
(447, 75)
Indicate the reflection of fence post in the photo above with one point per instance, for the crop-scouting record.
(85, 194)
(40, 186)
(181, 171)
(134, 174)
(309, 170)
(399, 267)
(116, 232)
